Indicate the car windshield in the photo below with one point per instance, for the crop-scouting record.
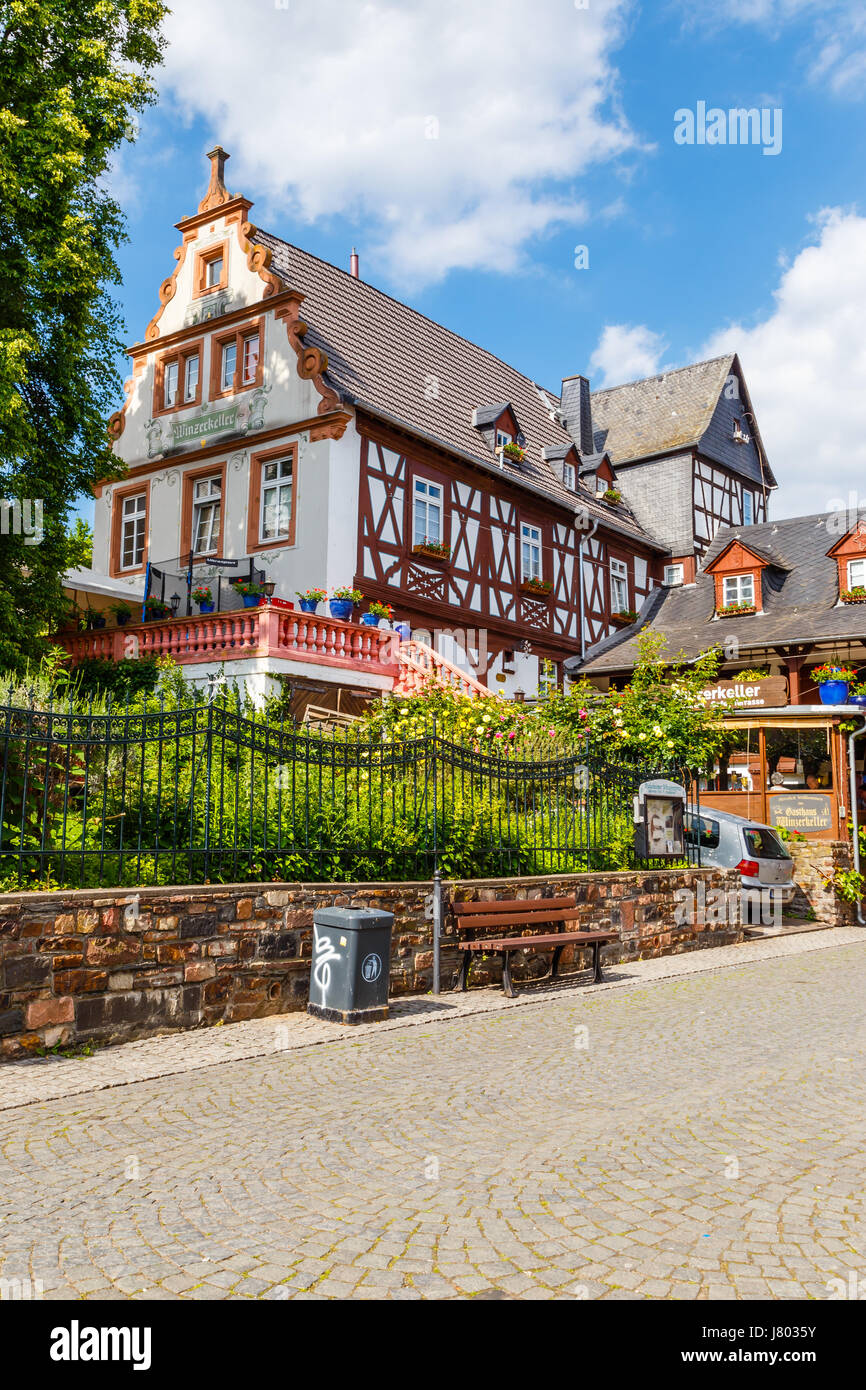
(762, 843)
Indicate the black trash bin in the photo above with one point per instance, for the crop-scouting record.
(351, 968)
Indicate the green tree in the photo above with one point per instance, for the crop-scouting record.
(75, 72)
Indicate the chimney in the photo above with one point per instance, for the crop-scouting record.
(217, 193)
(353, 264)
(576, 412)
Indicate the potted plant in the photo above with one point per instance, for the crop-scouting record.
(122, 613)
(310, 599)
(376, 613)
(736, 610)
(857, 694)
(202, 595)
(625, 617)
(611, 495)
(540, 587)
(95, 619)
(514, 452)
(855, 595)
(251, 594)
(342, 602)
(154, 609)
(833, 682)
(435, 550)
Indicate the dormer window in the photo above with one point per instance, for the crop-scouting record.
(502, 438)
(856, 574)
(568, 475)
(739, 589)
(673, 575)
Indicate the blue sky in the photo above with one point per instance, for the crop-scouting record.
(467, 148)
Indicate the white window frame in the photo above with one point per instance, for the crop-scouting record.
(855, 567)
(211, 280)
(568, 475)
(530, 552)
(618, 586)
(738, 588)
(548, 677)
(206, 511)
(133, 520)
(190, 383)
(748, 505)
(170, 376)
(247, 376)
(282, 482)
(503, 437)
(428, 503)
(229, 353)
(674, 575)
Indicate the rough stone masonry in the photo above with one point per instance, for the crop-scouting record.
(110, 965)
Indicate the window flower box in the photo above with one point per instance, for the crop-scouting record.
(855, 595)
(736, 610)
(611, 496)
(537, 588)
(432, 550)
(514, 453)
(624, 618)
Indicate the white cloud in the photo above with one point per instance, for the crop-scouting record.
(328, 109)
(625, 352)
(806, 369)
(834, 51)
(805, 366)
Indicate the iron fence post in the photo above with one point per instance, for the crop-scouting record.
(437, 928)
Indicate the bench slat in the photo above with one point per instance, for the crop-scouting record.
(515, 919)
(513, 905)
(517, 943)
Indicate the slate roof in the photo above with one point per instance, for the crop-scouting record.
(666, 413)
(384, 355)
(800, 601)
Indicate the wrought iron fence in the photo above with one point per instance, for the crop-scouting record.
(209, 793)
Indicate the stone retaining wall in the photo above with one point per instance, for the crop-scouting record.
(815, 862)
(111, 966)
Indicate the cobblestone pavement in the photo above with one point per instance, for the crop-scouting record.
(692, 1137)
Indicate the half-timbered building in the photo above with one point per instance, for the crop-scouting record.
(288, 423)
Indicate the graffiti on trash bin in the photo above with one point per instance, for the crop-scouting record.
(323, 947)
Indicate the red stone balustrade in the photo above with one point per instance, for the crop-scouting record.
(265, 631)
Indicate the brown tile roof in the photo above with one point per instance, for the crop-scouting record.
(390, 358)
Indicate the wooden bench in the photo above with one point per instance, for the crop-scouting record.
(492, 918)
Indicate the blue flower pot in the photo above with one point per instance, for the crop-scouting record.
(205, 607)
(370, 619)
(308, 605)
(834, 693)
(251, 600)
(341, 608)
(859, 700)
(403, 631)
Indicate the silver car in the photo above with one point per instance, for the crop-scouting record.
(735, 842)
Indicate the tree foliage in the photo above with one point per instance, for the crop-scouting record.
(75, 72)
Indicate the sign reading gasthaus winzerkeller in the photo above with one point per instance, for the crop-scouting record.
(770, 693)
(199, 426)
(803, 813)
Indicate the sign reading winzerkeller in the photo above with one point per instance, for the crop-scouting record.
(201, 425)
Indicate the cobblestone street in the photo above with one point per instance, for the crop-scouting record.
(688, 1138)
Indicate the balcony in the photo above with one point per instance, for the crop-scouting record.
(266, 631)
